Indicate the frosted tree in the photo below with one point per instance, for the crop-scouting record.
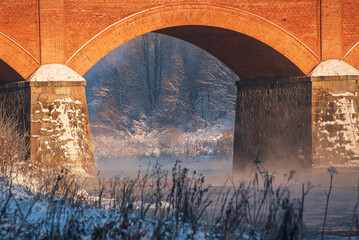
(168, 81)
(219, 82)
(201, 87)
(148, 56)
(133, 85)
(183, 90)
(111, 92)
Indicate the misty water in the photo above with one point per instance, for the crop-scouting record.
(344, 196)
(207, 165)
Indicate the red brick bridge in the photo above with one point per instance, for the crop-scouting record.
(297, 60)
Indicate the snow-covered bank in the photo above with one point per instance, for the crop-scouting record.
(34, 215)
(214, 139)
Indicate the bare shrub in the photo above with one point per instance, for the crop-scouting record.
(258, 208)
(332, 170)
(169, 137)
(252, 209)
(14, 146)
(225, 144)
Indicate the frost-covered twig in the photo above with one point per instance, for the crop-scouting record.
(332, 170)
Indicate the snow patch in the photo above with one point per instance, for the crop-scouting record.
(67, 126)
(70, 133)
(347, 136)
(346, 94)
(333, 67)
(55, 72)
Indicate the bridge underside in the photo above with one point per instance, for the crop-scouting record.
(244, 55)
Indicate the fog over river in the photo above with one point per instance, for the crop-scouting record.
(340, 224)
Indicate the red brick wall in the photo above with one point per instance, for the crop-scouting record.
(66, 25)
(350, 32)
(19, 20)
(331, 12)
(52, 31)
(87, 18)
(196, 14)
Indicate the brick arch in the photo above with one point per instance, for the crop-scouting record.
(352, 56)
(16, 57)
(193, 14)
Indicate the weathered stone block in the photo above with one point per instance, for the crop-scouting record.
(341, 85)
(329, 84)
(66, 91)
(317, 85)
(34, 99)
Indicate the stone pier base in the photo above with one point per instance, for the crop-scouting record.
(281, 123)
(273, 123)
(60, 131)
(291, 123)
(55, 115)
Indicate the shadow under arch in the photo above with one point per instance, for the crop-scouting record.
(285, 54)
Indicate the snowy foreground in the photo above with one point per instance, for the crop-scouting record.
(157, 205)
(29, 214)
(28, 217)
